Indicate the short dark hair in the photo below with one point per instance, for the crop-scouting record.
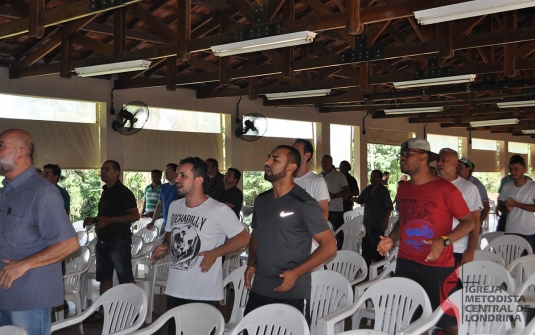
(346, 163)
(377, 172)
(172, 165)
(237, 173)
(199, 169)
(307, 147)
(213, 161)
(157, 172)
(517, 159)
(56, 170)
(293, 156)
(385, 173)
(115, 165)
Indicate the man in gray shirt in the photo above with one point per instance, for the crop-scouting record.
(35, 234)
(285, 219)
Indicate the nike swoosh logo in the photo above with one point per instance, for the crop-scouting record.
(286, 214)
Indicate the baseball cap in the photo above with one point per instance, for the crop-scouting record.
(420, 144)
(467, 162)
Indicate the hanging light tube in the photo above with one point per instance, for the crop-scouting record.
(265, 43)
(298, 94)
(413, 110)
(465, 78)
(499, 122)
(510, 104)
(111, 68)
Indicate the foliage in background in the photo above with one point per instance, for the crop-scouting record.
(253, 184)
(491, 180)
(385, 158)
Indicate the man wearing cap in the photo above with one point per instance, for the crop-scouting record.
(464, 248)
(465, 168)
(427, 206)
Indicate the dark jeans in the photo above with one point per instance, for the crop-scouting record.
(369, 245)
(501, 222)
(337, 220)
(173, 302)
(434, 280)
(257, 300)
(114, 255)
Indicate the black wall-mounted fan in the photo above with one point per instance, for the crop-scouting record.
(250, 127)
(131, 118)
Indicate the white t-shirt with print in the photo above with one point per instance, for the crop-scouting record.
(519, 221)
(194, 230)
(473, 200)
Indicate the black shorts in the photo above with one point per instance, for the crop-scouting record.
(434, 281)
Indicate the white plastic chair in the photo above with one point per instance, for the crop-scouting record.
(89, 274)
(190, 319)
(273, 319)
(331, 292)
(487, 274)
(357, 211)
(78, 225)
(374, 268)
(125, 308)
(241, 294)
(350, 264)
(473, 320)
(487, 237)
(364, 332)
(521, 269)
(483, 255)
(141, 223)
(12, 330)
(233, 261)
(82, 238)
(509, 247)
(395, 300)
(391, 222)
(354, 231)
(76, 265)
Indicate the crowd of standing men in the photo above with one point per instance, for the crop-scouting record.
(438, 227)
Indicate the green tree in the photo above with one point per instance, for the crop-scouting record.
(385, 158)
(253, 184)
(84, 188)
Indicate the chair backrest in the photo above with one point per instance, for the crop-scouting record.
(78, 225)
(12, 330)
(158, 223)
(388, 271)
(509, 247)
(483, 255)
(487, 274)
(391, 222)
(82, 238)
(357, 211)
(350, 264)
(331, 292)
(395, 300)
(521, 269)
(77, 263)
(125, 309)
(273, 319)
(487, 237)
(190, 319)
(148, 235)
(392, 256)
(241, 294)
(363, 332)
(137, 246)
(232, 261)
(353, 231)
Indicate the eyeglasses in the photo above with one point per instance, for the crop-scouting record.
(407, 153)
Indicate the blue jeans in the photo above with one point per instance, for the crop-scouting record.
(34, 321)
(114, 255)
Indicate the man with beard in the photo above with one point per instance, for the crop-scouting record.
(196, 232)
(35, 235)
(427, 206)
(285, 219)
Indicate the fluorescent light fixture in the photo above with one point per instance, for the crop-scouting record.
(413, 110)
(528, 131)
(111, 68)
(510, 104)
(469, 9)
(298, 94)
(265, 43)
(487, 123)
(465, 78)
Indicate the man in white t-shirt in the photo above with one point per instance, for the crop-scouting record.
(196, 237)
(464, 248)
(517, 200)
(338, 191)
(312, 183)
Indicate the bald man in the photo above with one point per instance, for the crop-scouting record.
(35, 235)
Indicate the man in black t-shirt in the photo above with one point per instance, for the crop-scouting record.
(232, 196)
(117, 209)
(285, 219)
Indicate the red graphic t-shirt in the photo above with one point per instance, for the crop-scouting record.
(426, 213)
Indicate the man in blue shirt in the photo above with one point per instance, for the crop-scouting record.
(35, 234)
(52, 173)
(168, 194)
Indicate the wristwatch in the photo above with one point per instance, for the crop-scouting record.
(447, 241)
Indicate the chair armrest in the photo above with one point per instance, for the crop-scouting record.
(326, 324)
(73, 320)
(422, 325)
